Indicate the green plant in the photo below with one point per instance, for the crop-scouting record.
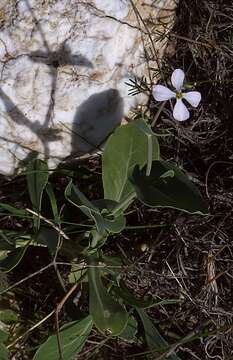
(132, 169)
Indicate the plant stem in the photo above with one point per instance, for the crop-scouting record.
(149, 155)
(126, 201)
(157, 114)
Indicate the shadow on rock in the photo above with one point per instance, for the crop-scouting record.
(95, 120)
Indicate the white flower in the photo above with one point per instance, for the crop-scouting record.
(162, 93)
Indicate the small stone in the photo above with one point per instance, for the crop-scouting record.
(144, 247)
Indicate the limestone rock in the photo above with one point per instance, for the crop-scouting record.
(64, 65)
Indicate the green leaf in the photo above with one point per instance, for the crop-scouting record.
(9, 240)
(167, 186)
(3, 336)
(142, 303)
(14, 211)
(76, 272)
(98, 210)
(53, 202)
(154, 340)
(96, 240)
(125, 148)
(73, 336)
(12, 258)
(130, 330)
(113, 265)
(8, 316)
(113, 223)
(4, 354)
(127, 296)
(49, 237)
(37, 178)
(6, 243)
(107, 313)
(146, 129)
(77, 198)
(113, 261)
(105, 204)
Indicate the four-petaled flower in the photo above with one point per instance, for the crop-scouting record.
(162, 93)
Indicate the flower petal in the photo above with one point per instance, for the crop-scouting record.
(193, 97)
(177, 79)
(162, 93)
(180, 111)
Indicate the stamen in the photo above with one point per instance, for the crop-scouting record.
(179, 95)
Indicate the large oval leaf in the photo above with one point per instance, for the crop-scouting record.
(107, 313)
(73, 336)
(167, 186)
(3, 336)
(4, 354)
(125, 148)
(8, 316)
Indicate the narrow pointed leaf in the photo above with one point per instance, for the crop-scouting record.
(154, 340)
(53, 203)
(130, 299)
(77, 198)
(6, 243)
(37, 178)
(73, 336)
(12, 258)
(13, 210)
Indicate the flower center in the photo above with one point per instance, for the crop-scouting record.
(179, 95)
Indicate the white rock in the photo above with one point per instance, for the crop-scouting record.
(64, 65)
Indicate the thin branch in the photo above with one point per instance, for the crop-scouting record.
(31, 329)
(26, 278)
(50, 223)
(58, 309)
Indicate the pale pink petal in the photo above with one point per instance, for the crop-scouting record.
(193, 97)
(162, 93)
(180, 111)
(177, 79)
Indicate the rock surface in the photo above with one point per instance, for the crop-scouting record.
(64, 65)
